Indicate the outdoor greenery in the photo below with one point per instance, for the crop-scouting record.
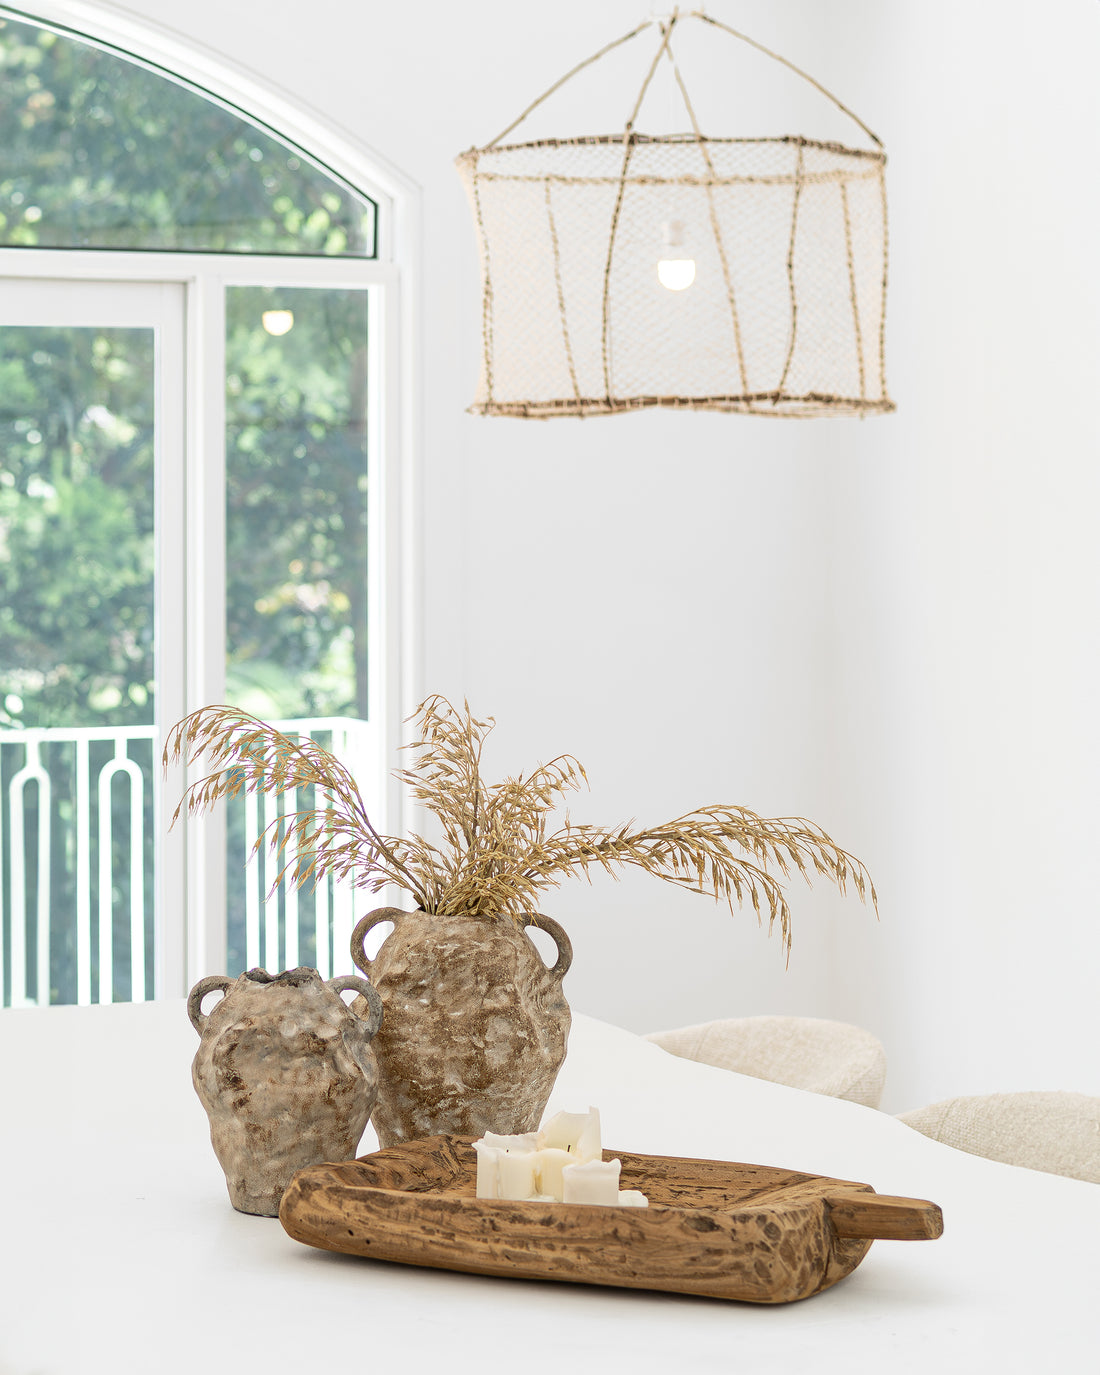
(99, 152)
(76, 439)
(296, 518)
(96, 151)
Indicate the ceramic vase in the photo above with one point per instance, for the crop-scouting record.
(475, 1026)
(286, 1073)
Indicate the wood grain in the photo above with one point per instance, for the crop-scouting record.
(732, 1231)
(884, 1216)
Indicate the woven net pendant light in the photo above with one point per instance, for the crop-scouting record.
(628, 270)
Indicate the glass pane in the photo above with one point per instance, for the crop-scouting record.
(296, 571)
(100, 151)
(76, 663)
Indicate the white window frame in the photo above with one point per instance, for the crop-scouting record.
(159, 308)
(190, 921)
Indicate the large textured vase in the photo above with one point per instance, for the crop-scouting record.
(475, 1025)
(286, 1073)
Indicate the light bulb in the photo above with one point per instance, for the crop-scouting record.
(278, 321)
(676, 273)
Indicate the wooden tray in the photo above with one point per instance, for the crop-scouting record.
(714, 1228)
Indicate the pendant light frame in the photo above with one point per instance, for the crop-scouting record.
(581, 315)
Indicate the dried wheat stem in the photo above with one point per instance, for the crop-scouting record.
(497, 854)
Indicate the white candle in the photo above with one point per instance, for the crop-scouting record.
(632, 1198)
(563, 1162)
(591, 1181)
(516, 1171)
(576, 1132)
(500, 1173)
(551, 1162)
(488, 1174)
(522, 1141)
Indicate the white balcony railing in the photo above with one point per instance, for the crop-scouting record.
(77, 844)
(292, 926)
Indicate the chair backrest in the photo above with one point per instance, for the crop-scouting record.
(1052, 1131)
(831, 1058)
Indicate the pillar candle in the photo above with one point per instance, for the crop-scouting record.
(488, 1174)
(563, 1162)
(576, 1132)
(516, 1171)
(551, 1162)
(591, 1181)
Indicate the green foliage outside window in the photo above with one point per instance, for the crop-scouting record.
(76, 527)
(296, 527)
(95, 151)
(99, 152)
(76, 516)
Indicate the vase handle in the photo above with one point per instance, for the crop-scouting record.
(359, 935)
(561, 940)
(213, 982)
(368, 990)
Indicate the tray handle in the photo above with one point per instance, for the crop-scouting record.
(885, 1217)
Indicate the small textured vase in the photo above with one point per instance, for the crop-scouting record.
(286, 1074)
(475, 1025)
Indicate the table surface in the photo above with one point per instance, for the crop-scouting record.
(121, 1253)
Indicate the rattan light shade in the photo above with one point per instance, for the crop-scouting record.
(625, 270)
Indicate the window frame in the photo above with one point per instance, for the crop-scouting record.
(193, 856)
(191, 865)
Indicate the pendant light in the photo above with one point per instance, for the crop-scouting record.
(629, 270)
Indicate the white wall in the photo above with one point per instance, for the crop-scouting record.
(889, 626)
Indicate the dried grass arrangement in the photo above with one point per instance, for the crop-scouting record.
(495, 852)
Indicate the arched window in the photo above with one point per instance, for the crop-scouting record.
(194, 440)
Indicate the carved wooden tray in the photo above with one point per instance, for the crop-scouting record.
(729, 1231)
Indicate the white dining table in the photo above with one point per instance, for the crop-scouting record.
(120, 1252)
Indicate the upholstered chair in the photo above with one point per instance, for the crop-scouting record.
(811, 1053)
(1053, 1131)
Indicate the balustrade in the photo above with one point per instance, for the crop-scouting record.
(78, 839)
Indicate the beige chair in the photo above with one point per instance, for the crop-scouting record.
(1055, 1132)
(832, 1058)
